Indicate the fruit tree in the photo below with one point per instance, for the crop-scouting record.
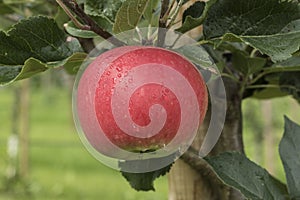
(239, 49)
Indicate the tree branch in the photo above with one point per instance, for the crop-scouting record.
(92, 25)
(207, 173)
(164, 9)
(199, 164)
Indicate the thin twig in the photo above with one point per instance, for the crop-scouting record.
(230, 76)
(166, 16)
(92, 25)
(162, 22)
(164, 10)
(253, 52)
(72, 17)
(177, 9)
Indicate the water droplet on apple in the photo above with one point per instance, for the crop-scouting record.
(119, 69)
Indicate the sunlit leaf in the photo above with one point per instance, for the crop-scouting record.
(129, 15)
(270, 26)
(195, 15)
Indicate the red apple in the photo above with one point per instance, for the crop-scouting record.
(140, 99)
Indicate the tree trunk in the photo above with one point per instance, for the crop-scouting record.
(24, 130)
(12, 143)
(269, 137)
(187, 183)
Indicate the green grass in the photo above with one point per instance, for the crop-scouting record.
(60, 166)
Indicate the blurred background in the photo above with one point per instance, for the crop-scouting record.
(41, 155)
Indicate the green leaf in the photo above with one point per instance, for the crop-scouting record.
(129, 15)
(278, 46)
(246, 64)
(37, 37)
(268, 93)
(267, 25)
(103, 12)
(152, 13)
(291, 64)
(289, 150)
(73, 63)
(260, 17)
(103, 8)
(290, 83)
(76, 32)
(32, 66)
(195, 15)
(197, 55)
(285, 83)
(253, 181)
(61, 18)
(9, 74)
(194, 11)
(25, 8)
(103, 22)
(32, 46)
(144, 181)
(5, 9)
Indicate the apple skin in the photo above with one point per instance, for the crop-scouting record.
(115, 68)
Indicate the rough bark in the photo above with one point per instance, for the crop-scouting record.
(194, 183)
